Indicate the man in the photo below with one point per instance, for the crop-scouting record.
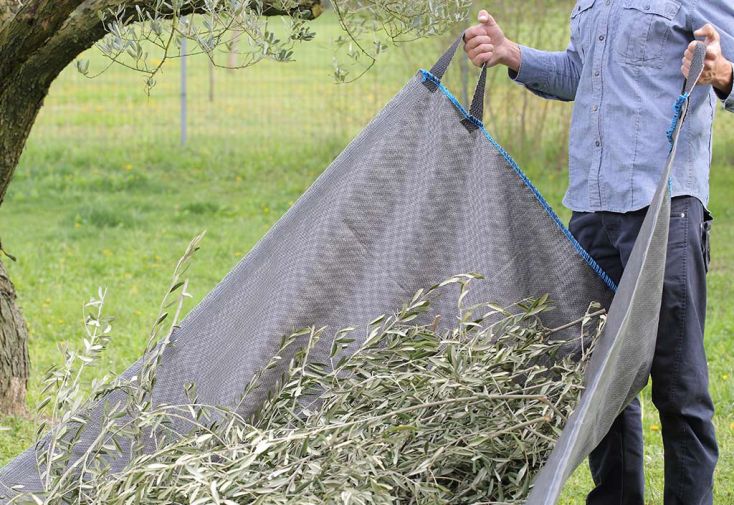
(623, 69)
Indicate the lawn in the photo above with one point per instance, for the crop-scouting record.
(105, 196)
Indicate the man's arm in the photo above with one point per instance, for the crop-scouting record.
(553, 75)
(713, 20)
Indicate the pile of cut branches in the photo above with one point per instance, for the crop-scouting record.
(417, 415)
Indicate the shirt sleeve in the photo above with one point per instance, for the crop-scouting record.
(719, 13)
(728, 100)
(552, 75)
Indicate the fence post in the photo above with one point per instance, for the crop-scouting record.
(211, 78)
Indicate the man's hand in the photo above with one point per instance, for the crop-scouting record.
(717, 69)
(486, 43)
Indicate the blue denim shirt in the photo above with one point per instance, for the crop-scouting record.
(622, 68)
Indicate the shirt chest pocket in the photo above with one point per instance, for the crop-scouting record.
(644, 29)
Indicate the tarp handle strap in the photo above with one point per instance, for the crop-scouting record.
(477, 103)
(697, 66)
(438, 70)
(443, 62)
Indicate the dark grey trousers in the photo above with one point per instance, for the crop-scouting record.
(679, 370)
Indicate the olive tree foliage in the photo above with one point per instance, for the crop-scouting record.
(144, 37)
(40, 38)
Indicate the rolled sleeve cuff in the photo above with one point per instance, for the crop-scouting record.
(727, 100)
(533, 71)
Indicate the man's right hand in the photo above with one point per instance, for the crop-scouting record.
(486, 43)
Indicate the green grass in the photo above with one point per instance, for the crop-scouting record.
(105, 196)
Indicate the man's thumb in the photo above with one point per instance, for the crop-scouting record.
(485, 18)
(709, 32)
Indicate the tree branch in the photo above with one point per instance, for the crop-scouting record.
(42, 25)
(29, 28)
(308, 9)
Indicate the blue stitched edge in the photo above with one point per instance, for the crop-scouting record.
(546, 206)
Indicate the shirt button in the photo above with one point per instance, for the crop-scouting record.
(601, 37)
(598, 143)
(647, 7)
(595, 108)
(597, 73)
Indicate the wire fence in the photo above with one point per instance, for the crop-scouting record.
(198, 102)
(273, 103)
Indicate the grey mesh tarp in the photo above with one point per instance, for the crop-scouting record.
(423, 193)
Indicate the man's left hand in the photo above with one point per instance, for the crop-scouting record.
(717, 69)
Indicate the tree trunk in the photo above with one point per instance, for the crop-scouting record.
(34, 62)
(20, 102)
(13, 350)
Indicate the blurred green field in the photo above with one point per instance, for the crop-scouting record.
(105, 196)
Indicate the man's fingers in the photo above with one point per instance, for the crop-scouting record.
(481, 54)
(481, 51)
(483, 58)
(477, 41)
(472, 32)
(688, 56)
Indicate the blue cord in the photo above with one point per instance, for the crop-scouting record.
(678, 110)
